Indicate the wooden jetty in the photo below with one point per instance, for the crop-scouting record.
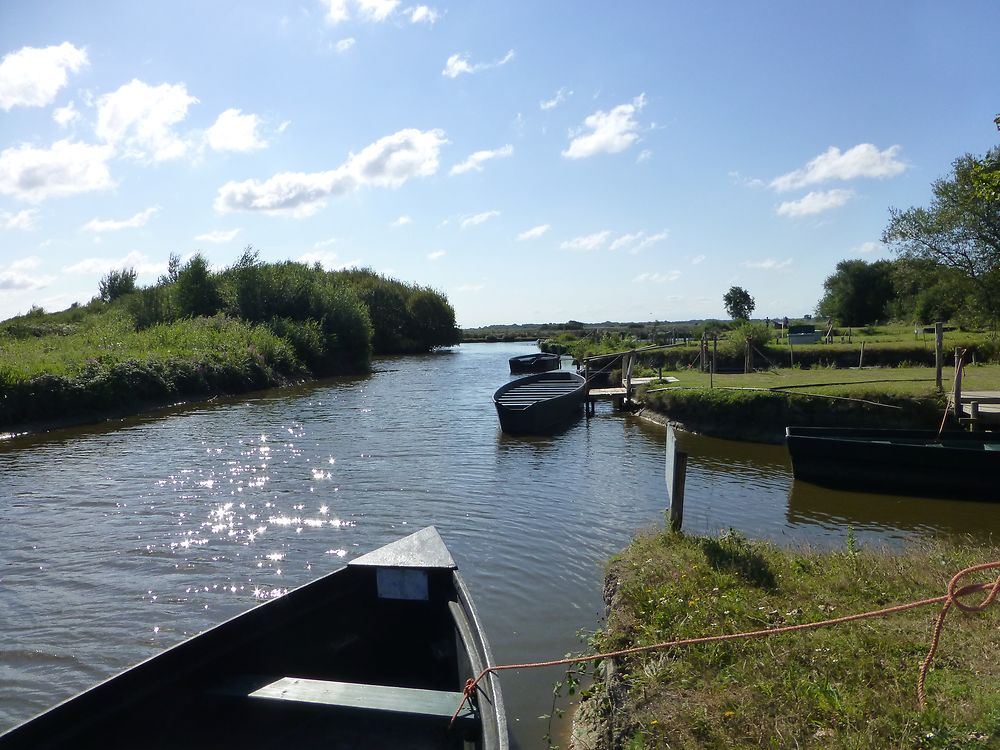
(978, 409)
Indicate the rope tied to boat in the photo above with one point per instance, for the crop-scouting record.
(947, 600)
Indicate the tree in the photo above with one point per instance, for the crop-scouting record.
(961, 227)
(858, 293)
(739, 304)
(117, 284)
(197, 292)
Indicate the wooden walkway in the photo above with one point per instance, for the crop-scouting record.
(980, 407)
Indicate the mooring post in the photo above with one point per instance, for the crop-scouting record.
(938, 352)
(861, 359)
(676, 473)
(959, 353)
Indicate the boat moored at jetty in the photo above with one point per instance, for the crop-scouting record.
(959, 465)
(540, 404)
(528, 363)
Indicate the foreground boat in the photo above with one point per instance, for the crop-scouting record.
(527, 363)
(374, 655)
(540, 404)
(960, 465)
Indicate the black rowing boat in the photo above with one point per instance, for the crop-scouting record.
(540, 404)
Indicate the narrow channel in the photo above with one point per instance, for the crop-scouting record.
(124, 538)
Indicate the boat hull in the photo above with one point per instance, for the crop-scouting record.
(957, 465)
(540, 404)
(397, 640)
(530, 363)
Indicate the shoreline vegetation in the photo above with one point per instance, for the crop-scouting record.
(849, 686)
(199, 333)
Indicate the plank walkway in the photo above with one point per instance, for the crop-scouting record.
(989, 406)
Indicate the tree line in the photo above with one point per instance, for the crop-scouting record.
(331, 318)
(948, 257)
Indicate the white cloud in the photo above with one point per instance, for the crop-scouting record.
(388, 162)
(644, 155)
(864, 160)
(657, 278)
(436, 255)
(697, 259)
(110, 225)
(377, 10)
(634, 243)
(138, 119)
(24, 220)
(606, 132)
(815, 202)
(34, 175)
(561, 95)
(422, 14)
(15, 280)
(869, 247)
(472, 221)
(594, 241)
(345, 45)
(768, 264)
(475, 162)
(139, 261)
(218, 237)
(233, 131)
(750, 182)
(26, 264)
(534, 232)
(319, 245)
(336, 11)
(329, 261)
(64, 116)
(402, 221)
(32, 76)
(470, 287)
(458, 64)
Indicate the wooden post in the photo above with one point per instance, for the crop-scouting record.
(959, 352)
(861, 360)
(938, 352)
(973, 415)
(791, 353)
(629, 358)
(715, 353)
(676, 474)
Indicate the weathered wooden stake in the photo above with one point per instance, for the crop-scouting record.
(677, 491)
(938, 352)
(861, 360)
(959, 353)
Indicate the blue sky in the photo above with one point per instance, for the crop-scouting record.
(534, 161)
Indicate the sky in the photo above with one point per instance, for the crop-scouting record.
(534, 161)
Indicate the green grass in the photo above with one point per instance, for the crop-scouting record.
(848, 686)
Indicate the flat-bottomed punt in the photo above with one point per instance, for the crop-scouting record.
(958, 465)
(374, 655)
(540, 404)
(528, 363)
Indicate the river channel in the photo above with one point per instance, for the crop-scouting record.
(124, 538)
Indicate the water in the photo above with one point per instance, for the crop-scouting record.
(122, 539)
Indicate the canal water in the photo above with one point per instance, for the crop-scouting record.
(122, 539)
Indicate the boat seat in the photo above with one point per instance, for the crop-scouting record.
(439, 704)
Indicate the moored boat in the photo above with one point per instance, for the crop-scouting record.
(959, 465)
(540, 404)
(373, 655)
(528, 363)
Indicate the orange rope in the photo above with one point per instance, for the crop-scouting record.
(952, 597)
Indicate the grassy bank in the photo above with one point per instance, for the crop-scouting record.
(847, 686)
(760, 405)
(105, 366)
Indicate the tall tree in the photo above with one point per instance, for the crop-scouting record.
(117, 284)
(858, 293)
(739, 304)
(961, 227)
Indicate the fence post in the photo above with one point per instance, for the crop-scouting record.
(959, 353)
(676, 473)
(938, 352)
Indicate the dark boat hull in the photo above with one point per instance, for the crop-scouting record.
(397, 640)
(957, 465)
(540, 404)
(529, 363)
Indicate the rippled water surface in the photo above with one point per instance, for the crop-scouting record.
(122, 539)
